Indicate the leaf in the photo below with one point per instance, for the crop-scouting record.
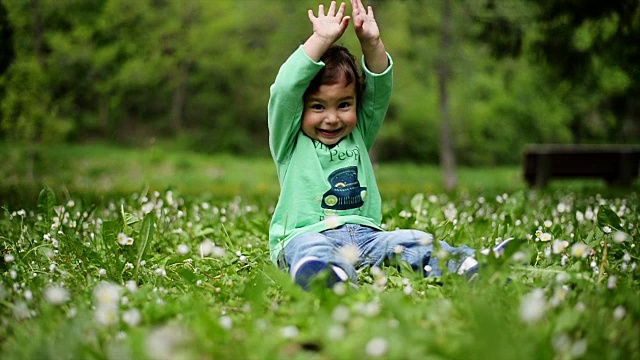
(607, 217)
(146, 235)
(128, 218)
(46, 204)
(416, 203)
(199, 231)
(110, 230)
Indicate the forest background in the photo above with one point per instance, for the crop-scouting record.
(482, 78)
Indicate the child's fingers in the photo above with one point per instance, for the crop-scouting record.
(340, 12)
(332, 9)
(320, 10)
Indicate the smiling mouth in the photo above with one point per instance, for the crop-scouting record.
(329, 133)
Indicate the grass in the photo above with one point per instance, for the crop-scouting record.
(196, 282)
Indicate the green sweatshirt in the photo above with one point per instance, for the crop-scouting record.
(322, 187)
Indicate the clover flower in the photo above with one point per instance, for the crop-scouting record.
(545, 236)
(349, 253)
(107, 293)
(167, 342)
(132, 317)
(289, 332)
(619, 237)
(183, 249)
(580, 250)
(377, 347)
(56, 295)
(533, 306)
(225, 322)
(106, 314)
(340, 314)
(559, 246)
(124, 240)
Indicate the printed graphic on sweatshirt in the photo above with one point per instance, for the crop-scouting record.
(346, 192)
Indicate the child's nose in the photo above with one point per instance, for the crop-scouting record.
(331, 117)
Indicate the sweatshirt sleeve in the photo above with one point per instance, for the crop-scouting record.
(286, 102)
(375, 102)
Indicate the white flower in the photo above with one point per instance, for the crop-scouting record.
(336, 332)
(619, 313)
(206, 247)
(545, 237)
(408, 289)
(611, 282)
(619, 237)
(580, 250)
(56, 295)
(589, 214)
(579, 216)
(225, 322)
(606, 230)
(122, 238)
(377, 347)
(107, 293)
(427, 240)
(167, 342)
(107, 314)
(183, 249)
(548, 223)
(9, 258)
(533, 306)
(559, 246)
(102, 272)
(349, 253)
(579, 348)
(131, 286)
(340, 288)
(340, 314)
(132, 317)
(289, 332)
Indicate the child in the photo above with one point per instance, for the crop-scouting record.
(323, 119)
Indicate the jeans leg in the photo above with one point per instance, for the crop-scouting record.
(413, 246)
(317, 245)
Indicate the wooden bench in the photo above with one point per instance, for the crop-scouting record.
(616, 164)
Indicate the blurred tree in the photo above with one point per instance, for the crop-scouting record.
(585, 47)
(6, 38)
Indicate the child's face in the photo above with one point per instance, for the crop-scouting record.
(330, 113)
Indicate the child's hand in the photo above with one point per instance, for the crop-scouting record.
(364, 23)
(331, 26)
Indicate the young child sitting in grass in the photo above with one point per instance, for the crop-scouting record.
(323, 119)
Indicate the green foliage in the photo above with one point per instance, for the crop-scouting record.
(200, 71)
(196, 282)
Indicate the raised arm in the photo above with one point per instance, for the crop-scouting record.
(327, 29)
(366, 27)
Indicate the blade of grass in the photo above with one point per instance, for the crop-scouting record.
(146, 235)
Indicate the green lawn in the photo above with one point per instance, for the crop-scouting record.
(158, 254)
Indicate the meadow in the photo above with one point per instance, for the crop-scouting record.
(114, 253)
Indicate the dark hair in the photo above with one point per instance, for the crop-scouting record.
(339, 64)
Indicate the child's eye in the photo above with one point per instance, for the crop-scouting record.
(344, 105)
(316, 106)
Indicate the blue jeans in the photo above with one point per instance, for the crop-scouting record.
(374, 248)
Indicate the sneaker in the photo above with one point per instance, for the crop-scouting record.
(498, 250)
(310, 267)
(468, 267)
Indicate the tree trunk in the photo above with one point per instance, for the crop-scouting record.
(179, 97)
(37, 31)
(447, 153)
